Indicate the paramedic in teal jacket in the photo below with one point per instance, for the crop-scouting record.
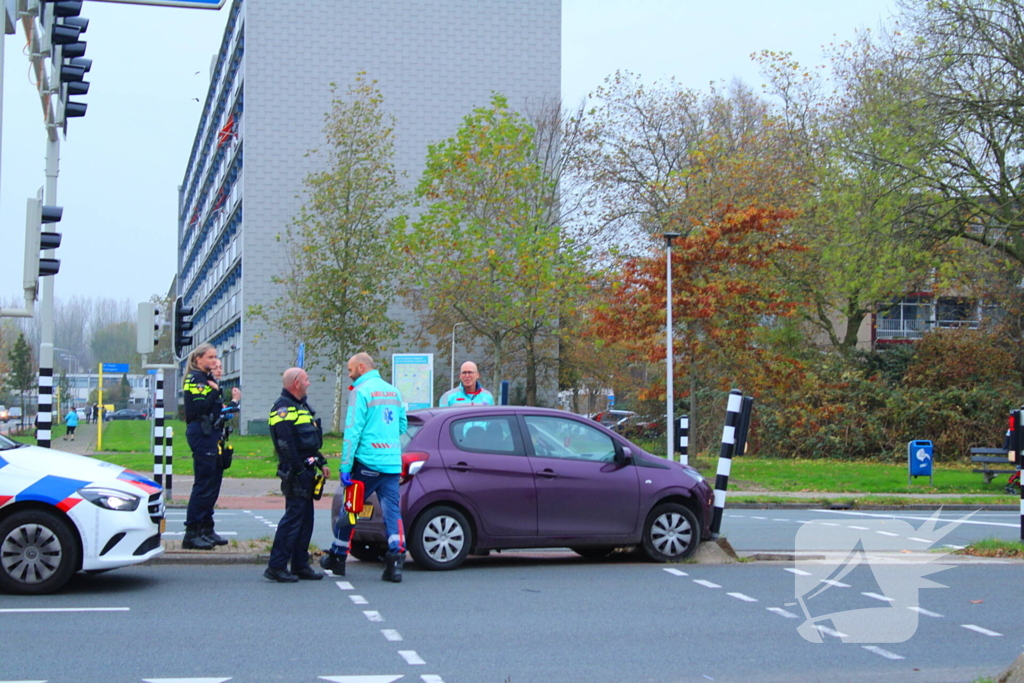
(372, 454)
(469, 392)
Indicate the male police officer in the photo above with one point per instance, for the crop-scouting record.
(373, 455)
(297, 439)
(469, 392)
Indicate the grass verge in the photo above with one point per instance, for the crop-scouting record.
(994, 547)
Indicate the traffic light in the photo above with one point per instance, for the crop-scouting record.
(36, 215)
(182, 326)
(147, 327)
(64, 27)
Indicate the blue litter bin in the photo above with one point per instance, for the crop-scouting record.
(919, 460)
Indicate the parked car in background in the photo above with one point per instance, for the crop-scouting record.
(613, 418)
(126, 414)
(642, 427)
(14, 413)
(505, 477)
(61, 513)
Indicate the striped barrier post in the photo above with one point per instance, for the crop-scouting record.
(725, 458)
(743, 426)
(168, 460)
(683, 430)
(44, 412)
(158, 430)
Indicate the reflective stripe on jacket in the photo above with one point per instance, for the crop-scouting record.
(200, 398)
(294, 431)
(374, 424)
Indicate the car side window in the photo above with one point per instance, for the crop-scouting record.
(484, 434)
(556, 437)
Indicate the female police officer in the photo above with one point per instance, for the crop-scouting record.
(203, 404)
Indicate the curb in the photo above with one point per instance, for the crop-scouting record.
(844, 506)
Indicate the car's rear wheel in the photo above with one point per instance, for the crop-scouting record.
(595, 552)
(38, 552)
(671, 533)
(367, 552)
(441, 539)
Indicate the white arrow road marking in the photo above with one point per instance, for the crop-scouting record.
(876, 596)
(14, 610)
(706, 583)
(673, 570)
(373, 615)
(391, 634)
(922, 610)
(782, 612)
(982, 631)
(879, 651)
(741, 596)
(411, 657)
(361, 679)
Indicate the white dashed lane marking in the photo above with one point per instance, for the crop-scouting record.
(919, 540)
(876, 596)
(982, 631)
(674, 571)
(373, 615)
(706, 583)
(922, 610)
(391, 634)
(830, 632)
(344, 585)
(411, 657)
(887, 533)
(358, 600)
(837, 584)
(879, 651)
(798, 572)
(741, 596)
(782, 612)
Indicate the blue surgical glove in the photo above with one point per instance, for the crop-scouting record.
(346, 478)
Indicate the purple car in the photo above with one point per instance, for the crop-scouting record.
(504, 477)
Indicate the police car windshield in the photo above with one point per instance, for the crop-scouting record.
(6, 444)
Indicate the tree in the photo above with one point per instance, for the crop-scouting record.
(21, 377)
(116, 343)
(490, 249)
(341, 275)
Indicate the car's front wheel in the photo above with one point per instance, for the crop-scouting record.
(441, 539)
(671, 533)
(38, 552)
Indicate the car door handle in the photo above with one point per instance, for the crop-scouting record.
(461, 467)
(550, 474)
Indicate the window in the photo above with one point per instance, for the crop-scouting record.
(484, 434)
(557, 437)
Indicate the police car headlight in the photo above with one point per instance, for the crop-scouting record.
(109, 499)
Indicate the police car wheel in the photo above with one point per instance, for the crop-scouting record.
(441, 539)
(671, 533)
(38, 552)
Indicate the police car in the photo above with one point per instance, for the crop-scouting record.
(61, 513)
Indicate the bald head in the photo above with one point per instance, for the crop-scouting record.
(296, 382)
(468, 375)
(359, 365)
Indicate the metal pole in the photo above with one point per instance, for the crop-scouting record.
(669, 390)
(453, 353)
(725, 458)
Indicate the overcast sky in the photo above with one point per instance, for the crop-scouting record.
(122, 163)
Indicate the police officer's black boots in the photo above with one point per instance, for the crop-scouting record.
(211, 535)
(393, 563)
(194, 538)
(334, 563)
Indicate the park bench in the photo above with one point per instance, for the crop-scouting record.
(991, 456)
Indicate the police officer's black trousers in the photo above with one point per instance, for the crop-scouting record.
(208, 475)
(294, 531)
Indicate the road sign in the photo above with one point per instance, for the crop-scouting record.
(115, 367)
(193, 4)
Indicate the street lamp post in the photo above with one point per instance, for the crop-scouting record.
(669, 391)
(452, 384)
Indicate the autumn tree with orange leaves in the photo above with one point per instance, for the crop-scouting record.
(722, 302)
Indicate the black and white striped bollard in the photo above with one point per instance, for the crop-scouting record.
(683, 431)
(168, 461)
(725, 458)
(158, 430)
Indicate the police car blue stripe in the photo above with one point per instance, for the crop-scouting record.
(3, 463)
(51, 489)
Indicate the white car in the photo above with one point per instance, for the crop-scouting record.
(61, 513)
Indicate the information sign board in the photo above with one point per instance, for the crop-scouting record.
(413, 375)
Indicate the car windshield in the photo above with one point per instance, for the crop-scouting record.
(6, 444)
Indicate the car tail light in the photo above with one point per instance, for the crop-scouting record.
(411, 464)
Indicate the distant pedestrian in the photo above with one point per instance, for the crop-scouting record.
(469, 392)
(297, 439)
(71, 422)
(372, 454)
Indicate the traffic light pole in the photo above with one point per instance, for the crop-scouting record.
(44, 415)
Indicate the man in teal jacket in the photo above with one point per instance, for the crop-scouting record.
(469, 392)
(372, 454)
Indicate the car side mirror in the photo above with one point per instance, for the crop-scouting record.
(625, 456)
